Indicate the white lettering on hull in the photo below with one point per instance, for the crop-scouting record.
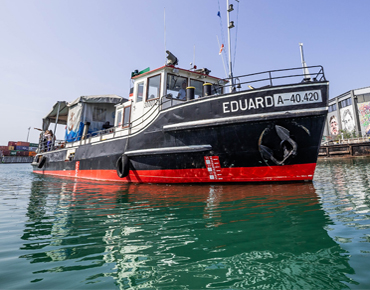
(277, 100)
(248, 104)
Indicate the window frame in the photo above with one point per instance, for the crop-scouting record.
(137, 91)
(123, 116)
(172, 74)
(119, 122)
(191, 79)
(147, 88)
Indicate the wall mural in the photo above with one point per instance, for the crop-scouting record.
(348, 121)
(364, 114)
(333, 123)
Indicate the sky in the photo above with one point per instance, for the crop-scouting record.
(58, 50)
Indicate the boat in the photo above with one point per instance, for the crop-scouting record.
(186, 126)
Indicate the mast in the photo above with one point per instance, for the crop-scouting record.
(307, 76)
(230, 25)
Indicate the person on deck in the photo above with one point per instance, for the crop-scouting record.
(51, 140)
(182, 91)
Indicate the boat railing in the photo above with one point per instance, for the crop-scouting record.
(112, 132)
(263, 79)
(133, 126)
(144, 119)
(45, 146)
(279, 77)
(169, 101)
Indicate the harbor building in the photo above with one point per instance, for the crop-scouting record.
(349, 115)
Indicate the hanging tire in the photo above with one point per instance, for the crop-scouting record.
(123, 166)
(42, 162)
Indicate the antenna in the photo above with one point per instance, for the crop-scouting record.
(230, 25)
(164, 16)
(194, 55)
(307, 76)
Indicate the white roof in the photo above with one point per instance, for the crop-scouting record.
(111, 99)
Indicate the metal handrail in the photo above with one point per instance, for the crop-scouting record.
(57, 144)
(316, 75)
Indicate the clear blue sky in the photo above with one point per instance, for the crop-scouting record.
(58, 50)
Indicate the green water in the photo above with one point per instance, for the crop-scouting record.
(75, 234)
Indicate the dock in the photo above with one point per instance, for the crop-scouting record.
(16, 159)
(354, 147)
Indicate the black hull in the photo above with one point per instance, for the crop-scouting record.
(214, 139)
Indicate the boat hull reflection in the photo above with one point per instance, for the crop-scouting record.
(172, 236)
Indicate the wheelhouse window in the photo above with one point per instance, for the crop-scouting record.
(126, 116)
(119, 117)
(176, 86)
(198, 85)
(154, 88)
(139, 91)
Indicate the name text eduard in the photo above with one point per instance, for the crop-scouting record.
(248, 104)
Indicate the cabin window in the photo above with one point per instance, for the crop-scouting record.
(119, 117)
(198, 85)
(139, 91)
(126, 116)
(99, 114)
(176, 86)
(154, 85)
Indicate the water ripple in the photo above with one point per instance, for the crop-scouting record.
(85, 234)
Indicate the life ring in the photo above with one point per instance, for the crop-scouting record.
(42, 162)
(123, 166)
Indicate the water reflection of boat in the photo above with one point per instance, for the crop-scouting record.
(160, 235)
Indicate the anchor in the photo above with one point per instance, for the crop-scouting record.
(284, 135)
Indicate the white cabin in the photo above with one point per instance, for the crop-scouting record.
(152, 91)
(159, 89)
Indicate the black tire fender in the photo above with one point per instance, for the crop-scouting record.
(123, 166)
(42, 162)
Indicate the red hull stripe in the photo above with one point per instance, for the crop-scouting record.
(242, 174)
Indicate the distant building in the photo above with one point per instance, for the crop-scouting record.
(349, 112)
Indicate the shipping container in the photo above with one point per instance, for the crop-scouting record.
(13, 153)
(34, 145)
(33, 149)
(12, 143)
(21, 143)
(6, 152)
(32, 153)
(11, 148)
(22, 148)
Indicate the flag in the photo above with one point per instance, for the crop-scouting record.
(222, 47)
(218, 14)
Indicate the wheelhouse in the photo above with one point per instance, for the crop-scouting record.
(164, 87)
